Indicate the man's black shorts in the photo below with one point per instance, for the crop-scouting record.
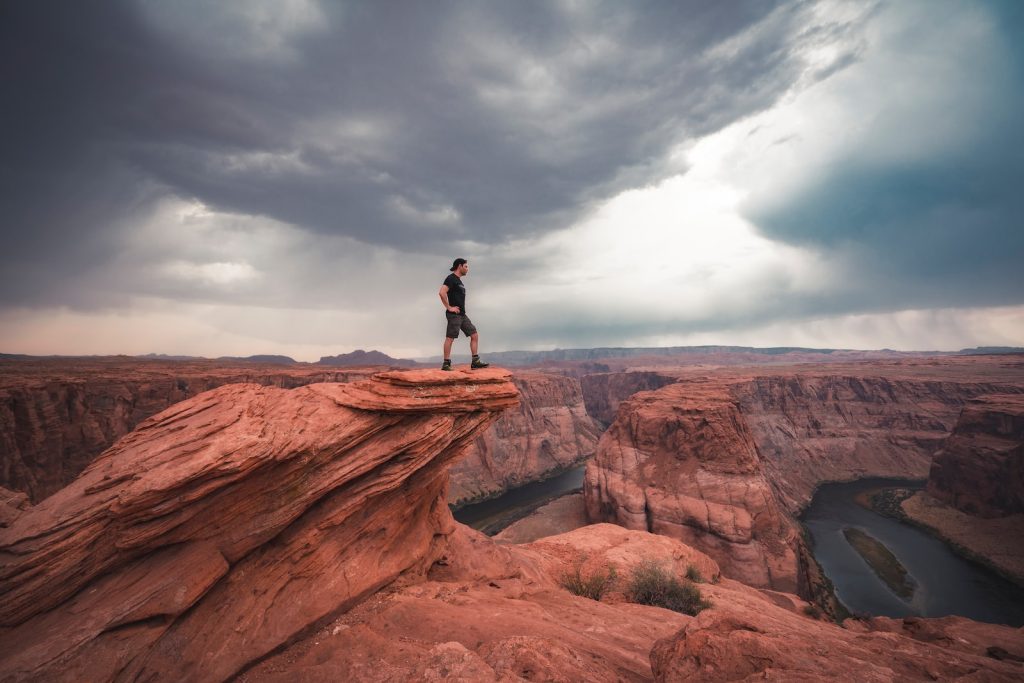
(456, 322)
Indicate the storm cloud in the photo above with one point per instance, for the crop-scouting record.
(291, 176)
(412, 125)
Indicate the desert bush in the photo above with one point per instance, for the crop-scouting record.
(593, 586)
(693, 574)
(652, 584)
(813, 611)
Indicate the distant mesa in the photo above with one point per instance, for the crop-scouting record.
(986, 350)
(262, 358)
(277, 360)
(360, 357)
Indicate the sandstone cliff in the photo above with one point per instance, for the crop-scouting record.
(225, 525)
(975, 493)
(812, 428)
(681, 462)
(550, 431)
(56, 416)
(980, 468)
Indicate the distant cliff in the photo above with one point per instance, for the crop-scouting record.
(360, 357)
(980, 467)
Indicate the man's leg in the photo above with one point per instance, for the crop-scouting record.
(474, 343)
(447, 364)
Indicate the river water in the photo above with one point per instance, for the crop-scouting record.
(946, 583)
(491, 516)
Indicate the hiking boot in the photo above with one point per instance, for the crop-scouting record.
(446, 365)
(477, 364)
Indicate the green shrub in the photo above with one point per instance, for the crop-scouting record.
(651, 584)
(593, 586)
(693, 574)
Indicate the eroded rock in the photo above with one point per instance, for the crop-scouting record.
(226, 525)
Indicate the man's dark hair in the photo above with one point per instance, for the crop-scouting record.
(458, 262)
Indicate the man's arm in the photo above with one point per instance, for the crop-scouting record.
(443, 293)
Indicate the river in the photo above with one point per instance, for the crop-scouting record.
(946, 583)
(491, 516)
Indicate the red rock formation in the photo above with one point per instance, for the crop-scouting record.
(246, 533)
(681, 462)
(56, 415)
(549, 433)
(223, 527)
(980, 468)
(744, 640)
(494, 613)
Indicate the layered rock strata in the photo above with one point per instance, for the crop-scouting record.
(682, 463)
(550, 432)
(57, 416)
(224, 526)
(812, 428)
(980, 467)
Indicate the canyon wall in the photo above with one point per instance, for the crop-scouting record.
(603, 392)
(812, 428)
(226, 525)
(681, 462)
(980, 467)
(550, 432)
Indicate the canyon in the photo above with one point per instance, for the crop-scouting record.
(726, 459)
(550, 432)
(258, 533)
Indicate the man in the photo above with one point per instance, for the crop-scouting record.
(453, 296)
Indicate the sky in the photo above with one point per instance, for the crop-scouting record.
(295, 177)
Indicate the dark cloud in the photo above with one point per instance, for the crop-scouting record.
(409, 124)
(937, 227)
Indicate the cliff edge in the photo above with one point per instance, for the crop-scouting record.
(224, 526)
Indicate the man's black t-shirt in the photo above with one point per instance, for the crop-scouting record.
(456, 292)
